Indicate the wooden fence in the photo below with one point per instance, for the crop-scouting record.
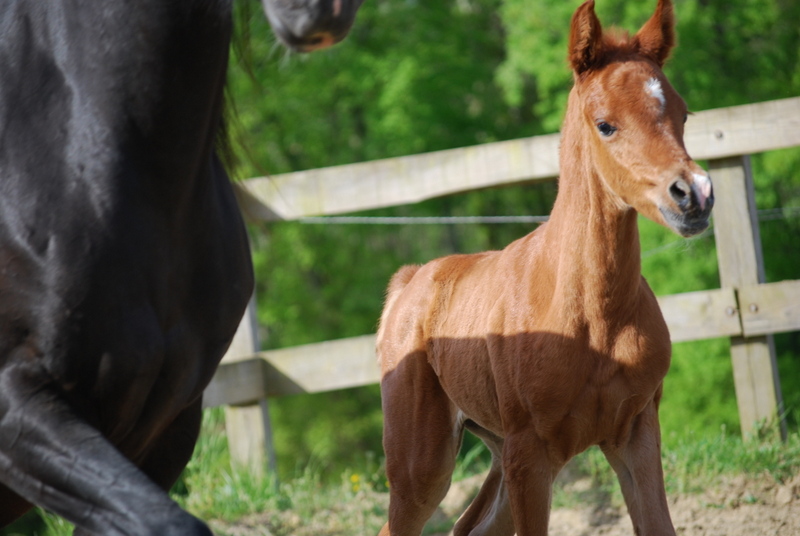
(746, 309)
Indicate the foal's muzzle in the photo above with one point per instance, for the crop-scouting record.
(693, 199)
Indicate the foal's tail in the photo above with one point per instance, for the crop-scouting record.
(396, 285)
(399, 281)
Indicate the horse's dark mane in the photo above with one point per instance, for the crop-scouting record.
(231, 143)
(223, 144)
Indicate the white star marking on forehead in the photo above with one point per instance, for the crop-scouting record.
(653, 88)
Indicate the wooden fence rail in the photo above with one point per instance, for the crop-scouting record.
(746, 309)
(351, 362)
(711, 134)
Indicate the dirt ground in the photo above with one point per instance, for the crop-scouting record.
(736, 508)
(733, 507)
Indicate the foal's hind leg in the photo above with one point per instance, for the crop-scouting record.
(490, 512)
(421, 439)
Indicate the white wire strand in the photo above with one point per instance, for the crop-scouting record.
(421, 220)
(769, 214)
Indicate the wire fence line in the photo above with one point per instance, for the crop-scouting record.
(784, 213)
(768, 214)
(421, 220)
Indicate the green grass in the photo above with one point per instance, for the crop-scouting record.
(38, 523)
(209, 487)
(692, 465)
(354, 501)
(313, 501)
(694, 462)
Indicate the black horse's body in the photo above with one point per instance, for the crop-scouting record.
(124, 263)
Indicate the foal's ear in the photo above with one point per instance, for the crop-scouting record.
(657, 37)
(585, 38)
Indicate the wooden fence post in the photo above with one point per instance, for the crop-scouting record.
(755, 370)
(248, 426)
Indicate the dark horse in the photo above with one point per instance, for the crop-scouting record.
(124, 263)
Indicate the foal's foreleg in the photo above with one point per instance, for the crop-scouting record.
(529, 473)
(638, 467)
(421, 439)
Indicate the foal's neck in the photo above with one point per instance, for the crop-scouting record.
(595, 234)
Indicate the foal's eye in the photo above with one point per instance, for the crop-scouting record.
(606, 129)
(685, 117)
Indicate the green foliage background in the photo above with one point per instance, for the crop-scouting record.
(420, 76)
(417, 76)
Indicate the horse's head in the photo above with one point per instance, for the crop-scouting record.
(307, 25)
(632, 119)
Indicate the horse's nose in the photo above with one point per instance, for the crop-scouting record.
(697, 196)
(318, 41)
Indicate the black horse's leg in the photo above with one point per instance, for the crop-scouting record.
(51, 457)
(172, 450)
(12, 506)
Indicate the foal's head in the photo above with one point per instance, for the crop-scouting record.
(633, 120)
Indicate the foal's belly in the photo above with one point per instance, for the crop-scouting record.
(466, 375)
(514, 384)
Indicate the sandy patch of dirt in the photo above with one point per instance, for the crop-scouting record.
(733, 507)
(736, 507)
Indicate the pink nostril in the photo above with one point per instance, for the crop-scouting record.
(703, 188)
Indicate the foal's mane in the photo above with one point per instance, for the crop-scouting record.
(595, 47)
(618, 42)
(617, 46)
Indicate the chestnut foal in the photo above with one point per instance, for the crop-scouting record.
(555, 343)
